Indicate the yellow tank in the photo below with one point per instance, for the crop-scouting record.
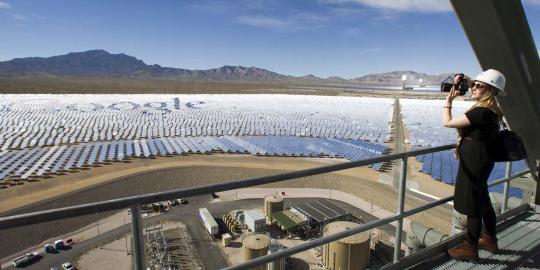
(347, 253)
(272, 204)
(256, 245)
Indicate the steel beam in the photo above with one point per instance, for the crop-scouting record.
(138, 243)
(401, 207)
(506, 187)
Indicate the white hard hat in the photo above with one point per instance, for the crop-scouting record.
(494, 78)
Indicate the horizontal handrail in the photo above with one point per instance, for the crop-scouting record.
(126, 202)
(507, 179)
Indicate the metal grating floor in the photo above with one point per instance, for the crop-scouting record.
(519, 244)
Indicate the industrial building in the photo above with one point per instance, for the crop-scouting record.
(306, 218)
(319, 211)
(288, 221)
(310, 217)
(232, 222)
(254, 220)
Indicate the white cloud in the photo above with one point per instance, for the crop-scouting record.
(355, 32)
(263, 21)
(298, 21)
(226, 7)
(210, 7)
(259, 5)
(387, 15)
(368, 51)
(346, 12)
(26, 18)
(308, 20)
(533, 2)
(427, 6)
(19, 17)
(4, 5)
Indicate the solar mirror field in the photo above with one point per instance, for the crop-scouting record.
(49, 134)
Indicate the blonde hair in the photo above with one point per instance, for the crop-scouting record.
(488, 101)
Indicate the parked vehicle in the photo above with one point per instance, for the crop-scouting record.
(67, 266)
(157, 207)
(183, 201)
(145, 208)
(208, 221)
(49, 248)
(59, 244)
(25, 259)
(68, 242)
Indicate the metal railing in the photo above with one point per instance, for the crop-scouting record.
(135, 202)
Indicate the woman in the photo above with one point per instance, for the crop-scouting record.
(476, 128)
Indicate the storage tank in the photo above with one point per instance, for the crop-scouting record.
(348, 253)
(272, 204)
(256, 245)
(275, 246)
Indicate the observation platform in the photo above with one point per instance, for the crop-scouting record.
(519, 247)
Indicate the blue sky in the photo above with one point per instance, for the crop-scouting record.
(347, 38)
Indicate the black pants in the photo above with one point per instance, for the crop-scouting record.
(474, 223)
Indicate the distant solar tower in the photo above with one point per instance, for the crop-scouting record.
(403, 78)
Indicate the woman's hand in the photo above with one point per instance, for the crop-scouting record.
(454, 92)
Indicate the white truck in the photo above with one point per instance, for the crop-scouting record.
(209, 222)
(25, 259)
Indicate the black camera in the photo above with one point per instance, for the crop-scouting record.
(462, 84)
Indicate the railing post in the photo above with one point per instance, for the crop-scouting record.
(401, 203)
(537, 193)
(136, 228)
(506, 186)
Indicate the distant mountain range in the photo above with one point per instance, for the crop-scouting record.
(102, 64)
